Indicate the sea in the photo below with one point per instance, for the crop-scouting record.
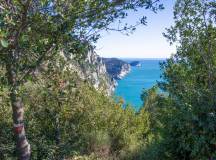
(131, 86)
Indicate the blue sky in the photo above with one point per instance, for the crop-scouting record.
(145, 42)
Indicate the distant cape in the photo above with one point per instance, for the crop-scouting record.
(116, 68)
(135, 63)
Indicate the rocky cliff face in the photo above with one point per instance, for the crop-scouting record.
(94, 71)
(102, 73)
(116, 68)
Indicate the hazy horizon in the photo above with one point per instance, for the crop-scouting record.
(144, 58)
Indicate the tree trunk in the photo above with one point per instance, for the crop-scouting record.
(59, 155)
(57, 132)
(22, 145)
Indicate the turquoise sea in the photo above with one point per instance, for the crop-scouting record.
(146, 76)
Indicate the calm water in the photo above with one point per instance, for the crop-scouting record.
(131, 86)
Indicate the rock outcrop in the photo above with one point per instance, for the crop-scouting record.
(116, 68)
(93, 70)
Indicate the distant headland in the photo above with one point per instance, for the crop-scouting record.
(116, 68)
(135, 63)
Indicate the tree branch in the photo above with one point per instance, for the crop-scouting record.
(37, 63)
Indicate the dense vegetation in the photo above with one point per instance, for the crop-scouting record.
(186, 114)
(66, 118)
(73, 120)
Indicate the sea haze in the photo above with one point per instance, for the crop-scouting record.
(144, 77)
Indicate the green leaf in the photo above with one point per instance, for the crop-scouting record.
(4, 43)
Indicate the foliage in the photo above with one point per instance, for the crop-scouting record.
(186, 111)
(66, 117)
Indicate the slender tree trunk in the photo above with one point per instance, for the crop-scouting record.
(59, 155)
(22, 145)
(57, 132)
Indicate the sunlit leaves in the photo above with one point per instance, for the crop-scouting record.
(3, 38)
(4, 43)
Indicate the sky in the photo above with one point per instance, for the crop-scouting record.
(145, 42)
